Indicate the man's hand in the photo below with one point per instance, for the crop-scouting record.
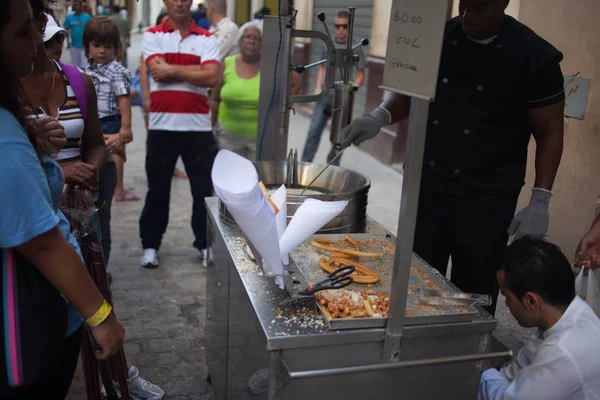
(366, 127)
(113, 142)
(82, 174)
(126, 134)
(135, 95)
(533, 219)
(588, 251)
(161, 71)
(50, 135)
(296, 83)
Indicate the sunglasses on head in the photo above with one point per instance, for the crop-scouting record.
(341, 26)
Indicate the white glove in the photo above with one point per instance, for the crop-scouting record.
(366, 127)
(533, 219)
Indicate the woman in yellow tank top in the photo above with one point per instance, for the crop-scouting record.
(234, 100)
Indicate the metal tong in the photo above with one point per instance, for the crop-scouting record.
(444, 298)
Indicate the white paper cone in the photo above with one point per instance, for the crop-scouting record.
(280, 200)
(234, 174)
(236, 183)
(311, 216)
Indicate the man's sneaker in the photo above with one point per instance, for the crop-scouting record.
(259, 382)
(150, 258)
(141, 389)
(203, 254)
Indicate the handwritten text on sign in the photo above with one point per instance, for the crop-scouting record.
(414, 45)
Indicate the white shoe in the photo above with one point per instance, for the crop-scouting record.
(150, 258)
(141, 389)
(204, 257)
(259, 382)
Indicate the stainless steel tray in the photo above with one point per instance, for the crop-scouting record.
(306, 258)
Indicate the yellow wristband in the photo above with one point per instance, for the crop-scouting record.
(98, 318)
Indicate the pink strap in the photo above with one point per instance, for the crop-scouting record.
(78, 84)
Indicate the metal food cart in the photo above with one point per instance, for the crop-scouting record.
(441, 356)
(253, 332)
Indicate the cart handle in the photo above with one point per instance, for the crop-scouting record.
(319, 373)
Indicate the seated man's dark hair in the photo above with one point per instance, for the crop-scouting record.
(532, 264)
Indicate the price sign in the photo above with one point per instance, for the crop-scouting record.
(414, 46)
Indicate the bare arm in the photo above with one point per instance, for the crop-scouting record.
(398, 105)
(197, 75)
(94, 149)
(144, 80)
(296, 83)
(588, 251)
(144, 86)
(125, 107)
(56, 259)
(215, 97)
(204, 76)
(547, 127)
(360, 77)
(320, 78)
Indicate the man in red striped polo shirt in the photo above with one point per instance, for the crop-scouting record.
(183, 60)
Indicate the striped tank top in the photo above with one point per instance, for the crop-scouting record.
(71, 118)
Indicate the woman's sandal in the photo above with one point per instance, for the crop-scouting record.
(126, 195)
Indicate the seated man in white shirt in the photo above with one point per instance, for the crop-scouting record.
(539, 285)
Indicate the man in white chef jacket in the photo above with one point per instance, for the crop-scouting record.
(539, 286)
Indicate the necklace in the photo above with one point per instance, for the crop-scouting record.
(46, 95)
(41, 91)
(53, 81)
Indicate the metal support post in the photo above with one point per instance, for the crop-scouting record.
(347, 71)
(271, 139)
(409, 203)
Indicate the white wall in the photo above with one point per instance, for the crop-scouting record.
(256, 5)
(304, 19)
(155, 7)
(571, 26)
(231, 9)
(381, 23)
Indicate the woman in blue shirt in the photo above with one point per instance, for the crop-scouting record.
(30, 220)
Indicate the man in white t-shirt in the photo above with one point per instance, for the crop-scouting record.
(562, 364)
(225, 30)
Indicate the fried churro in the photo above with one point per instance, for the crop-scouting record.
(340, 257)
(356, 253)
